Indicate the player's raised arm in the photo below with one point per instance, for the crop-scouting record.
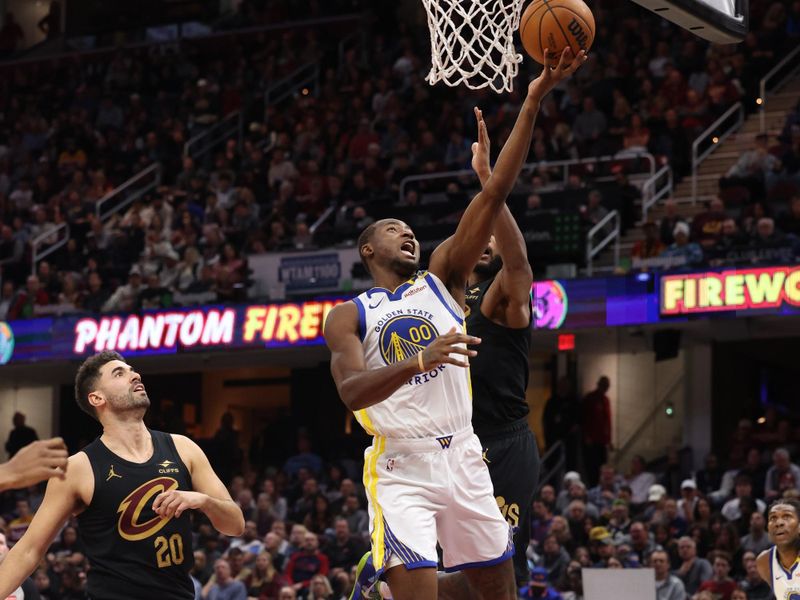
(512, 285)
(454, 260)
(61, 499)
(360, 387)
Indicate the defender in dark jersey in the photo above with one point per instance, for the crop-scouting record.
(499, 303)
(131, 488)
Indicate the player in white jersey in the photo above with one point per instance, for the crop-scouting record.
(780, 565)
(398, 358)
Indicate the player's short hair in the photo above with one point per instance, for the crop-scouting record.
(87, 376)
(793, 502)
(364, 239)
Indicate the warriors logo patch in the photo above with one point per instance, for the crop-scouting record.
(404, 336)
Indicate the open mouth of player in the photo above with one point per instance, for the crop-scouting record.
(486, 255)
(408, 249)
(138, 387)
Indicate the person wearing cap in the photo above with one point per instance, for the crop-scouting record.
(601, 546)
(694, 570)
(620, 522)
(688, 499)
(668, 587)
(682, 248)
(538, 586)
(125, 296)
(640, 481)
(656, 496)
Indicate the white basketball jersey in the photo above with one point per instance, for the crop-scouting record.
(395, 326)
(785, 583)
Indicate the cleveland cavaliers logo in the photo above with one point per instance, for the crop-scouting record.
(130, 510)
(404, 336)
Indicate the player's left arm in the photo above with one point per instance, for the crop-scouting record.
(210, 497)
(454, 259)
(762, 565)
(510, 293)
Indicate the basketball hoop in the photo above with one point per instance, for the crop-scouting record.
(472, 42)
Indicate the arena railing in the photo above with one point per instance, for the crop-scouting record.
(563, 165)
(648, 420)
(298, 81)
(716, 133)
(40, 249)
(206, 141)
(652, 193)
(125, 194)
(554, 474)
(791, 61)
(602, 225)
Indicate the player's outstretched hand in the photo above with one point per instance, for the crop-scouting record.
(36, 462)
(552, 76)
(174, 502)
(481, 149)
(439, 350)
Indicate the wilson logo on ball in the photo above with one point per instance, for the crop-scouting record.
(139, 501)
(577, 31)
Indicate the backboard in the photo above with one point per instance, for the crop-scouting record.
(720, 21)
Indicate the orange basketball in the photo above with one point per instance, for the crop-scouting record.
(556, 24)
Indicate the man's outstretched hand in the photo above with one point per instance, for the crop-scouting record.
(481, 149)
(550, 77)
(34, 463)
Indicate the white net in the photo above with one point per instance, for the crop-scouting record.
(472, 42)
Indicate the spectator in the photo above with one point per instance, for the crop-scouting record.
(781, 466)
(287, 593)
(668, 587)
(753, 586)
(753, 168)
(225, 586)
(25, 302)
(561, 421)
(596, 428)
(756, 540)
(589, 127)
(604, 493)
(709, 479)
(789, 222)
(707, 226)
(594, 211)
(542, 518)
(344, 550)
(688, 252)
(688, 500)
(650, 246)
(732, 509)
(28, 589)
(264, 581)
(720, 584)
(249, 543)
(320, 588)
(620, 521)
(640, 480)
(125, 297)
(306, 563)
(666, 226)
(538, 586)
(20, 436)
(694, 569)
(554, 559)
(640, 542)
(6, 298)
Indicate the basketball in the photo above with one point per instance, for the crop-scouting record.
(556, 24)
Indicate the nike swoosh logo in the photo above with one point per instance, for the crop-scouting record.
(378, 303)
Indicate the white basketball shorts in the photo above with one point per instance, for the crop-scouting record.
(428, 489)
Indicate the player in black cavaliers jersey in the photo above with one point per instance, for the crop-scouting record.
(499, 302)
(131, 489)
(499, 313)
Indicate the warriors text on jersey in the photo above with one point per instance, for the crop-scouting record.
(134, 553)
(396, 325)
(785, 582)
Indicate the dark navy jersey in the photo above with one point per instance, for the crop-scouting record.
(499, 372)
(134, 553)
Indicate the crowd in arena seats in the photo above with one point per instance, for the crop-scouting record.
(73, 129)
(754, 219)
(307, 525)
